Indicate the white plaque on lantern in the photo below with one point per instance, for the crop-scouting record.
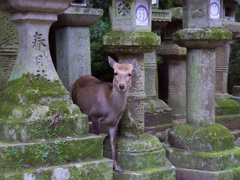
(142, 13)
(215, 9)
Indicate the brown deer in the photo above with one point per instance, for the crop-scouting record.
(105, 102)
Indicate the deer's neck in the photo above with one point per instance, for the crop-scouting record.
(119, 98)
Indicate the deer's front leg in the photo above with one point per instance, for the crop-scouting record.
(112, 133)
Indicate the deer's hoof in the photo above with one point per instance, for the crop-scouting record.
(118, 169)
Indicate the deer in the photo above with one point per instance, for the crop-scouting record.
(105, 102)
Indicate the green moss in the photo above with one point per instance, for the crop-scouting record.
(141, 38)
(50, 152)
(29, 89)
(203, 34)
(201, 138)
(214, 161)
(226, 107)
(177, 13)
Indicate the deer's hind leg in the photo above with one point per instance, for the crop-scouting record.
(95, 124)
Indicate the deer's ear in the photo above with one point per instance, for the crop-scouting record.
(111, 62)
(134, 63)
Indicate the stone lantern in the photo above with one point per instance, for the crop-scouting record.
(73, 41)
(223, 100)
(202, 14)
(41, 129)
(131, 15)
(200, 148)
(129, 39)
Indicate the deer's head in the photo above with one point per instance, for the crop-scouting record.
(122, 74)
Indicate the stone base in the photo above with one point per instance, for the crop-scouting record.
(35, 154)
(235, 98)
(226, 107)
(142, 158)
(229, 121)
(188, 174)
(99, 169)
(161, 173)
(158, 116)
(204, 161)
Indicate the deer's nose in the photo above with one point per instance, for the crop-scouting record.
(121, 86)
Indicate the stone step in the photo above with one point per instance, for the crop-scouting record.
(159, 128)
(161, 173)
(236, 134)
(96, 169)
(154, 119)
(229, 121)
(17, 156)
(26, 130)
(204, 161)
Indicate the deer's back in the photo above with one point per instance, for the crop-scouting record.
(90, 94)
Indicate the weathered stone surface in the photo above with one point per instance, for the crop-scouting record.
(202, 14)
(8, 47)
(124, 16)
(210, 161)
(227, 107)
(130, 42)
(143, 153)
(194, 38)
(73, 43)
(15, 156)
(163, 173)
(188, 174)
(222, 61)
(160, 18)
(200, 87)
(100, 169)
(237, 142)
(236, 91)
(201, 138)
(229, 121)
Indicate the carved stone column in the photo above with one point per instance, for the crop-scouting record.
(176, 57)
(41, 129)
(131, 38)
(73, 43)
(8, 47)
(200, 148)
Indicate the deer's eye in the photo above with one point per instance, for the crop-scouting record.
(129, 75)
(115, 74)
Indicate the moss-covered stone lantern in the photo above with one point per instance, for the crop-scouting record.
(201, 14)
(138, 153)
(201, 148)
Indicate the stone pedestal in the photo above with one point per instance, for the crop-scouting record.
(227, 110)
(140, 155)
(201, 146)
(41, 129)
(73, 43)
(158, 115)
(8, 47)
(176, 57)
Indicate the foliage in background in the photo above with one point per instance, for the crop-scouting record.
(234, 64)
(100, 66)
(165, 4)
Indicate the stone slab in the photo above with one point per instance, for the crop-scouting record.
(154, 119)
(188, 174)
(159, 128)
(210, 161)
(161, 173)
(229, 121)
(95, 169)
(201, 138)
(24, 122)
(17, 156)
